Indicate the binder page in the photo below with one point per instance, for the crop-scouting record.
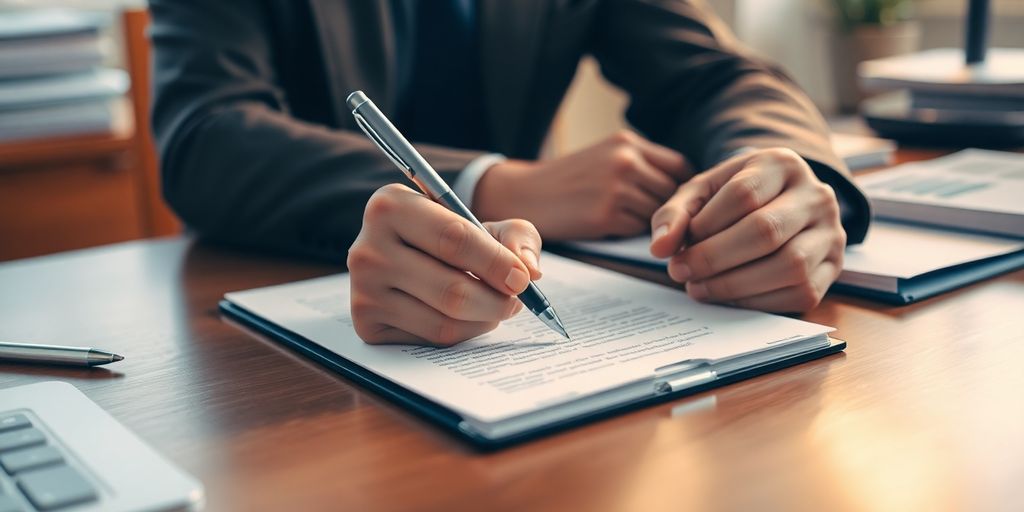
(622, 329)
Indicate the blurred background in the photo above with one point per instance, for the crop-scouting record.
(76, 162)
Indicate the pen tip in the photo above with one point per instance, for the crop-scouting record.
(115, 358)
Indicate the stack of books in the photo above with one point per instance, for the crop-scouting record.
(52, 79)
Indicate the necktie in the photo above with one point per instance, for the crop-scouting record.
(443, 102)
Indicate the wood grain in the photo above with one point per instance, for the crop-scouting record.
(57, 207)
(922, 412)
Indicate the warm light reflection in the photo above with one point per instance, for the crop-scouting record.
(883, 464)
(658, 481)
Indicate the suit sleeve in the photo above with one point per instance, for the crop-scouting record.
(236, 166)
(695, 88)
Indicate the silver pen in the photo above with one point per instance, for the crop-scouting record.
(379, 129)
(55, 354)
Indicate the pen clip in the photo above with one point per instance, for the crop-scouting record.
(368, 130)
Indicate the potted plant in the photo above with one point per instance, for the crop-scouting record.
(870, 29)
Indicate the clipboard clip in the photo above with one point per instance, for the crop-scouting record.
(391, 154)
(694, 375)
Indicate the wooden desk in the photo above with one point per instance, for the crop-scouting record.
(922, 412)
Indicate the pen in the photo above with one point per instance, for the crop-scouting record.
(54, 354)
(380, 130)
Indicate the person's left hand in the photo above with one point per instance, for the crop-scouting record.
(759, 231)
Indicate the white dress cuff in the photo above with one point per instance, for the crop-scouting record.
(465, 183)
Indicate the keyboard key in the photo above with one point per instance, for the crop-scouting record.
(7, 504)
(56, 487)
(21, 460)
(13, 422)
(21, 439)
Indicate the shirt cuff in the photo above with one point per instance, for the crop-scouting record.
(465, 184)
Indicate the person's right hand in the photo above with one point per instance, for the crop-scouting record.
(409, 271)
(610, 188)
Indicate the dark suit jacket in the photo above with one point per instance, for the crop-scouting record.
(257, 146)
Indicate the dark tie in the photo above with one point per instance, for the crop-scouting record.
(442, 103)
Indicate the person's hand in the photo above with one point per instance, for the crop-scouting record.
(409, 269)
(610, 188)
(758, 231)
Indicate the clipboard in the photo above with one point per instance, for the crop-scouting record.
(453, 423)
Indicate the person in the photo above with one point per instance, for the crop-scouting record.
(730, 167)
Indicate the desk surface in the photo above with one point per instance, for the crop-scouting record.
(924, 411)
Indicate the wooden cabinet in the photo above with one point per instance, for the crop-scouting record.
(73, 192)
(51, 205)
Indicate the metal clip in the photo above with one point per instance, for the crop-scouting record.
(368, 130)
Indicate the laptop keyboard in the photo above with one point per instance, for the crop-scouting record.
(36, 472)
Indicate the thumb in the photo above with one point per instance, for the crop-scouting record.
(522, 238)
(670, 223)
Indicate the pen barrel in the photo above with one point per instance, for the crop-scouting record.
(44, 354)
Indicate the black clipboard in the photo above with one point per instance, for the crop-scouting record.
(916, 289)
(940, 281)
(452, 422)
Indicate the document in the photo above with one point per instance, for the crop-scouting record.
(974, 190)
(623, 330)
(894, 251)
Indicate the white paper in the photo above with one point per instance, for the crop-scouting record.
(623, 330)
(906, 251)
(972, 179)
(636, 249)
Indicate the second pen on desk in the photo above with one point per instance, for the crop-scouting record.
(379, 129)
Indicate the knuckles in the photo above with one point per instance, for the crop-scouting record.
(783, 156)
(448, 333)
(622, 137)
(366, 329)
(453, 241)
(798, 263)
(623, 161)
(807, 297)
(454, 299)
(746, 192)
(770, 230)
(383, 203)
(363, 258)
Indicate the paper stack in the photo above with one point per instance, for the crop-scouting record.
(52, 82)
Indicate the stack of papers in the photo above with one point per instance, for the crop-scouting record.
(51, 79)
(973, 190)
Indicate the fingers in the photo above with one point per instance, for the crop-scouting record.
(522, 238)
(799, 298)
(670, 222)
(665, 159)
(755, 185)
(425, 324)
(409, 272)
(437, 232)
(451, 292)
(639, 202)
(791, 265)
(626, 224)
(659, 184)
(756, 235)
